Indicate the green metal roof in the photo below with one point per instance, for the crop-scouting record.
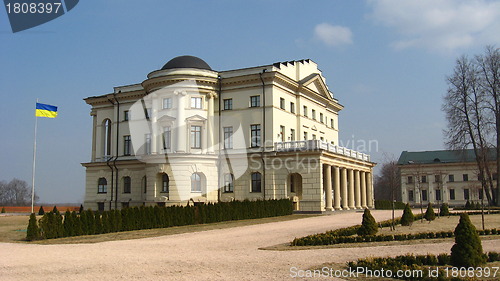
(439, 156)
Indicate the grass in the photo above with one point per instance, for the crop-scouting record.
(12, 230)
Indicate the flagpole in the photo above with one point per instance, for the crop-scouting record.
(34, 166)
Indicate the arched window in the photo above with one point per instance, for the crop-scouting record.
(228, 183)
(127, 182)
(107, 137)
(165, 183)
(195, 182)
(102, 185)
(256, 182)
(144, 184)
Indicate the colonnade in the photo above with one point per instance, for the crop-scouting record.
(347, 189)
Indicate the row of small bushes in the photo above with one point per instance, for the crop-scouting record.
(321, 239)
(52, 224)
(411, 262)
(387, 205)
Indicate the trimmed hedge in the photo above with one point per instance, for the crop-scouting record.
(411, 262)
(51, 225)
(387, 205)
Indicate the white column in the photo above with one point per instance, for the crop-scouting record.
(210, 123)
(181, 128)
(343, 185)
(363, 189)
(351, 189)
(369, 190)
(327, 186)
(336, 189)
(357, 190)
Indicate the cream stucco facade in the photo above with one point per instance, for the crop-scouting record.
(191, 134)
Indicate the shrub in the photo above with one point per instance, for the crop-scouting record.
(429, 213)
(3, 210)
(467, 205)
(387, 205)
(55, 210)
(444, 210)
(41, 212)
(408, 217)
(369, 225)
(33, 231)
(467, 250)
(81, 209)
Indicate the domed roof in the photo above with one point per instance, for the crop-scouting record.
(186, 62)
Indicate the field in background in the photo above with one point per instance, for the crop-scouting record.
(46, 208)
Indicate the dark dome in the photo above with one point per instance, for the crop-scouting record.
(186, 62)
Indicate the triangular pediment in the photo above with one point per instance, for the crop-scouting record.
(315, 82)
(166, 118)
(196, 118)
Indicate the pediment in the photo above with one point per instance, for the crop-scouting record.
(196, 118)
(166, 118)
(315, 82)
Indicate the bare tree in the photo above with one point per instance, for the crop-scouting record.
(15, 193)
(469, 122)
(388, 183)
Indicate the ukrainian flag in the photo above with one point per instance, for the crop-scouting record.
(45, 110)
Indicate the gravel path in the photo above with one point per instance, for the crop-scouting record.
(224, 254)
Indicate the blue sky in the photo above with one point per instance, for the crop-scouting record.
(385, 61)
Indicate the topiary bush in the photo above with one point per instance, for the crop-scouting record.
(41, 212)
(408, 217)
(444, 210)
(369, 225)
(429, 213)
(3, 210)
(467, 250)
(33, 232)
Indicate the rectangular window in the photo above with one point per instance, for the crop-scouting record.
(305, 135)
(452, 194)
(228, 183)
(256, 182)
(228, 104)
(125, 115)
(100, 206)
(147, 144)
(282, 103)
(331, 123)
(167, 103)
(254, 101)
(195, 136)
(292, 134)
(313, 114)
(410, 179)
(437, 178)
(438, 194)
(465, 177)
(127, 184)
(466, 194)
(255, 135)
(411, 196)
(451, 178)
(321, 117)
(480, 194)
(228, 137)
(424, 195)
(196, 102)
(305, 111)
(282, 133)
(167, 138)
(424, 179)
(126, 145)
(292, 107)
(314, 136)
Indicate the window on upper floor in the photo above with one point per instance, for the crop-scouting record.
(107, 137)
(127, 145)
(255, 135)
(195, 136)
(282, 103)
(321, 117)
(410, 179)
(125, 115)
(313, 114)
(228, 137)
(305, 136)
(147, 143)
(167, 103)
(437, 178)
(228, 104)
(292, 107)
(451, 178)
(196, 102)
(305, 111)
(332, 124)
(465, 177)
(167, 137)
(424, 179)
(292, 134)
(254, 101)
(282, 133)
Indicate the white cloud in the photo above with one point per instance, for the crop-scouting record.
(333, 35)
(443, 25)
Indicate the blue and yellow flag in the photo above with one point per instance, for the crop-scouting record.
(45, 110)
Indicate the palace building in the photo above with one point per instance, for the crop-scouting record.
(441, 176)
(189, 134)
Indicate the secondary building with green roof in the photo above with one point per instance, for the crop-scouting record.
(440, 176)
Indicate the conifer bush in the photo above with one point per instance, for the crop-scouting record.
(3, 210)
(41, 212)
(81, 209)
(444, 211)
(33, 231)
(408, 217)
(429, 213)
(369, 225)
(467, 250)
